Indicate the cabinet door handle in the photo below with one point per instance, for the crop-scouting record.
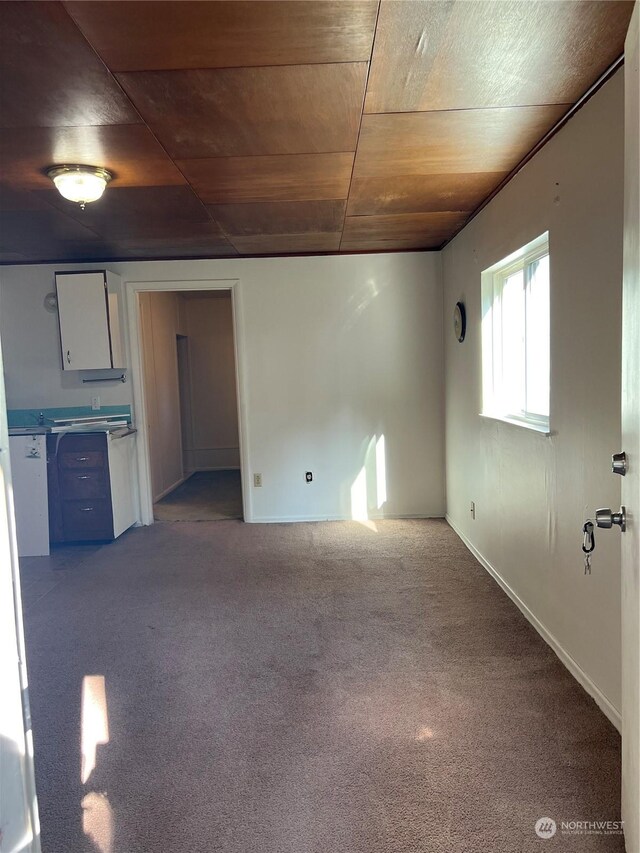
(68, 356)
(86, 509)
(82, 458)
(84, 477)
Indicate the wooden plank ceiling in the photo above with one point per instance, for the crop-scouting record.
(240, 128)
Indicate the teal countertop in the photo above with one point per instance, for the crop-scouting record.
(18, 418)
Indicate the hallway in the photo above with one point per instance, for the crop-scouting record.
(204, 496)
(301, 689)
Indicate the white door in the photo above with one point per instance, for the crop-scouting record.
(84, 324)
(631, 445)
(19, 828)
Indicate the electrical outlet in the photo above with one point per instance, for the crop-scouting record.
(257, 480)
(473, 509)
(309, 476)
(95, 403)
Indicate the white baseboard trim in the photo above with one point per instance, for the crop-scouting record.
(171, 488)
(609, 710)
(288, 519)
(218, 468)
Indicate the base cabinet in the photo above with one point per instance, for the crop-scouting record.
(90, 486)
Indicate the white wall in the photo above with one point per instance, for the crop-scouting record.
(342, 352)
(337, 352)
(31, 342)
(159, 322)
(210, 426)
(533, 492)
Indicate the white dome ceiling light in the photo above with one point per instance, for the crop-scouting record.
(81, 184)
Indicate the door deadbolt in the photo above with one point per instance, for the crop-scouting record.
(619, 463)
(606, 518)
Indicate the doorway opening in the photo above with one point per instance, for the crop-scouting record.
(190, 401)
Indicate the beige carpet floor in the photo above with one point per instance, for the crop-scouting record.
(307, 688)
(205, 496)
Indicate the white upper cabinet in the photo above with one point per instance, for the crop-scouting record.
(89, 315)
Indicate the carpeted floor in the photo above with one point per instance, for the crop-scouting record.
(308, 688)
(205, 496)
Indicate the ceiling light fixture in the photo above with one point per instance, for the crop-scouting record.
(81, 184)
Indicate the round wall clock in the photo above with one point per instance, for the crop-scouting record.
(460, 321)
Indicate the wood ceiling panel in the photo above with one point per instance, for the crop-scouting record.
(32, 230)
(196, 245)
(12, 258)
(251, 111)
(12, 198)
(260, 104)
(288, 217)
(129, 151)
(402, 231)
(269, 244)
(136, 212)
(161, 35)
(50, 75)
(297, 177)
(421, 193)
(455, 142)
(27, 231)
(461, 55)
(96, 251)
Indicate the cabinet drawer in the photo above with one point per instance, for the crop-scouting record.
(82, 459)
(87, 518)
(87, 483)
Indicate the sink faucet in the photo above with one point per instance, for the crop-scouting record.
(41, 419)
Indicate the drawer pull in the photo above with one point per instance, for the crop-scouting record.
(82, 458)
(86, 509)
(83, 477)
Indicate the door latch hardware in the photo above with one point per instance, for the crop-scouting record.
(606, 518)
(619, 463)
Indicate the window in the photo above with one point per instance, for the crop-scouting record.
(515, 337)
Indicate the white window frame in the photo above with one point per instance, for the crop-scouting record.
(493, 280)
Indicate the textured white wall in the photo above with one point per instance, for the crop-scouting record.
(533, 492)
(159, 316)
(210, 432)
(338, 352)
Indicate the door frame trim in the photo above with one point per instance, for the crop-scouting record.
(132, 291)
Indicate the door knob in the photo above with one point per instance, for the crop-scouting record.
(619, 463)
(606, 518)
